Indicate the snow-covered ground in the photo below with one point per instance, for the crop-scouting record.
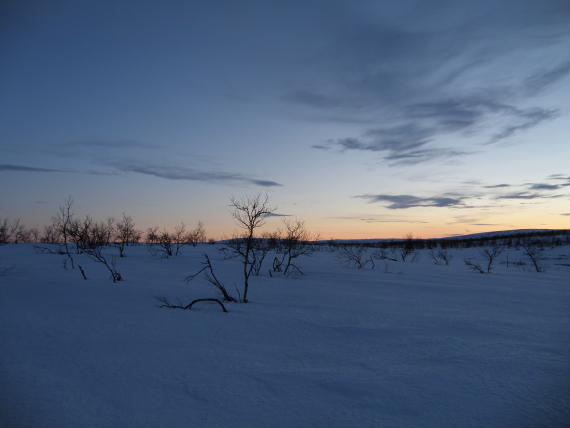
(423, 345)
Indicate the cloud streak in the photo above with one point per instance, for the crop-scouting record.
(542, 186)
(414, 83)
(525, 195)
(178, 173)
(497, 186)
(118, 156)
(168, 173)
(482, 198)
(398, 202)
(8, 167)
(23, 168)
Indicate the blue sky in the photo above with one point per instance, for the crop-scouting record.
(366, 118)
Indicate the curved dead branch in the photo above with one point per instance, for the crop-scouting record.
(166, 303)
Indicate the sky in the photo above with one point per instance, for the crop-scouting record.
(367, 119)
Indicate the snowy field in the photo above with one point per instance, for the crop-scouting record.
(422, 345)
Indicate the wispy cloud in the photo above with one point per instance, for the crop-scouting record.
(403, 144)
(542, 186)
(382, 219)
(559, 177)
(263, 183)
(6, 167)
(100, 149)
(398, 139)
(525, 195)
(118, 144)
(408, 201)
(23, 168)
(414, 157)
(414, 83)
(121, 157)
(179, 173)
(525, 120)
(496, 186)
(542, 79)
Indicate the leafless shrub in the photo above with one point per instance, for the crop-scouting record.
(405, 252)
(19, 233)
(101, 233)
(152, 236)
(211, 278)
(433, 256)
(124, 234)
(50, 236)
(489, 254)
(96, 255)
(179, 237)
(273, 240)
(13, 232)
(236, 246)
(382, 254)
(261, 247)
(196, 235)
(534, 252)
(408, 248)
(4, 232)
(62, 224)
(445, 255)
(78, 232)
(295, 241)
(519, 264)
(89, 234)
(164, 246)
(34, 235)
(353, 255)
(441, 256)
(476, 266)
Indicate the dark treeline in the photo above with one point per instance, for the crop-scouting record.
(67, 229)
(82, 234)
(549, 238)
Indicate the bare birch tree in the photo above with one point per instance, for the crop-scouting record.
(249, 213)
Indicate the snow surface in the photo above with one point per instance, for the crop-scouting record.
(423, 345)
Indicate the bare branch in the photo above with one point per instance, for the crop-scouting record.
(474, 266)
(166, 303)
(211, 278)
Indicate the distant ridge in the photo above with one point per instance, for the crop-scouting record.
(503, 233)
(482, 235)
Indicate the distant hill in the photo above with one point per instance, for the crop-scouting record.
(518, 233)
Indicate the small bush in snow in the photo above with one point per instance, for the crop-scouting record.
(353, 255)
(534, 252)
(489, 254)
